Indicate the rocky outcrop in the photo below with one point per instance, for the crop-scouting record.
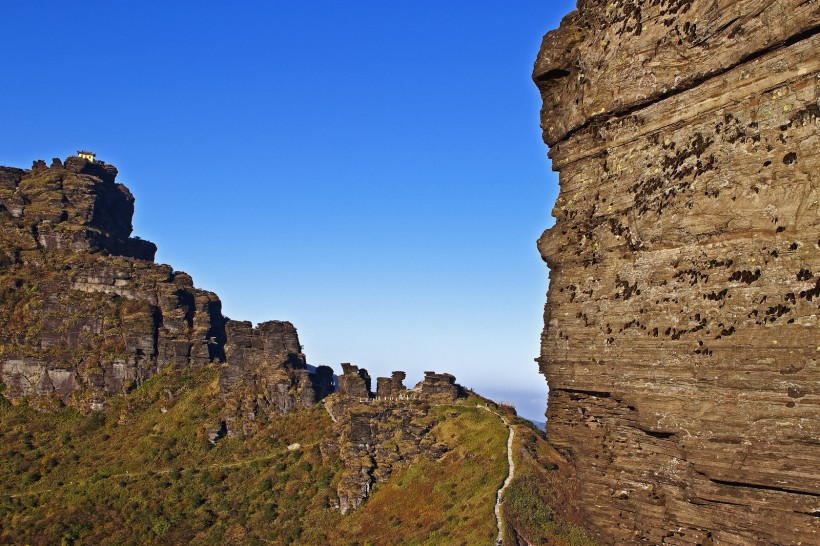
(391, 386)
(85, 313)
(681, 330)
(374, 438)
(354, 382)
(439, 386)
(378, 433)
(267, 372)
(76, 207)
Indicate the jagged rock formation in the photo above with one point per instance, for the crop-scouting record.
(379, 432)
(73, 206)
(375, 437)
(85, 313)
(354, 382)
(391, 386)
(681, 331)
(440, 386)
(266, 371)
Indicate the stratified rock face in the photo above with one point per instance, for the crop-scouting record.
(681, 335)
(440, 386)
(76, 207)
(85, 313)
(266, 370)
(391, 386)
(354, 382)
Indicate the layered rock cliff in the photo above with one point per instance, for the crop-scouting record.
(681, 335)
(86, 314)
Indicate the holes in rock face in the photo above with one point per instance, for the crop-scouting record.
(795, 393)
(790, 158)
(809, 295)
(745, 276)
(781, 229)
(658, 434)
(554, 74)
(804, 275)
(716, 296)
(805, 116)
(674, 333)
(773, 313)
(767, 164)
(694, 276)
(726, 332)
(720, 263)
(794, 246)
(625, 289)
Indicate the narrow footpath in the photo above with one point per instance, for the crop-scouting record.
(507, 481)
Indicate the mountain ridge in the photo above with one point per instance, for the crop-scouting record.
(133, 411)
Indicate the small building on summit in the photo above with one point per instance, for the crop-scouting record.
(90, 156)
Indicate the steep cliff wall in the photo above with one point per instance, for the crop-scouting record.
(681, 335)
(86, 314)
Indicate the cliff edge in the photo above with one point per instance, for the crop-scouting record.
(86, 314)
(681, 335)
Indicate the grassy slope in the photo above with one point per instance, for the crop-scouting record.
(540, 505)
(91, 480)
(135, 475)
(449, 501)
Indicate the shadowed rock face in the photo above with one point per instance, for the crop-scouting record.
(85, 313)
(354, 382)
(681, 332)
(391, 386)
(266, 371)
(76, 207)
(439, 385)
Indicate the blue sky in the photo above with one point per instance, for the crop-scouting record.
(371, 171)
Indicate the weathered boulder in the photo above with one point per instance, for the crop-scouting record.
(681, 325)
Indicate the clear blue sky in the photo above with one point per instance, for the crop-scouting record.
(370, 170)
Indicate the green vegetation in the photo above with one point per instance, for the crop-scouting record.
(448, 501)
(540, 504)
(143, 472)
(136, 475)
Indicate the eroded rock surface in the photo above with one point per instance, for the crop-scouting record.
(379, 432)
(681, 334)
(85, 313)
(374, 438)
